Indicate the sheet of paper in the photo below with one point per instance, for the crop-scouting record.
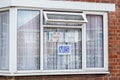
(64, 49)
(71, 37)
(56, 37)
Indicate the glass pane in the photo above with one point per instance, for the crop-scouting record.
(65, 17)
(28, 37)
(56, 17)
(95, 57)
(4, 43)
(62, 49)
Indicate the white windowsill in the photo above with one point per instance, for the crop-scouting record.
(52, 73)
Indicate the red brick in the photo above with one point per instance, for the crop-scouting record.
(113, 56)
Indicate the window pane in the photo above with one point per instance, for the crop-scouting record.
(95, 57)
(28, 45)
(62, 49)
(4, 36)
(63, 19)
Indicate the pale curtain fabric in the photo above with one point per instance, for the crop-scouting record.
(28, 46)
(28, 40)
(4, 40)
(94, 41)
(54, 61)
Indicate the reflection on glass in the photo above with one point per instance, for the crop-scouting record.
(28, 40)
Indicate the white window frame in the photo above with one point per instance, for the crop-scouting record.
(41, 51)
(105, 40)
(64, 13)
(13, 47)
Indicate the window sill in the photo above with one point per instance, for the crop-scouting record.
(52, 73)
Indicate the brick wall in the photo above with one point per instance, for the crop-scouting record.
(114, 52)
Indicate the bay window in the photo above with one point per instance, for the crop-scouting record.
(54, 42)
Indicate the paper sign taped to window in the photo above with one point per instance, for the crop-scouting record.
(71, 37)
(55, 37)
(64, 49)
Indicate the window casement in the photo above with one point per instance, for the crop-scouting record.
(55, 42)
(64, 17)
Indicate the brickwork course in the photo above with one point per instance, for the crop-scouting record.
(114, 51)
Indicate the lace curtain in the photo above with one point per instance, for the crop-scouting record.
(4, 37)
(94, 41)
(52, 59)
(28, 32)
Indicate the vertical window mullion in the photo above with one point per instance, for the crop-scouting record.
(84, 47)
(41, 40)
(105, 41)
(13, 40)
